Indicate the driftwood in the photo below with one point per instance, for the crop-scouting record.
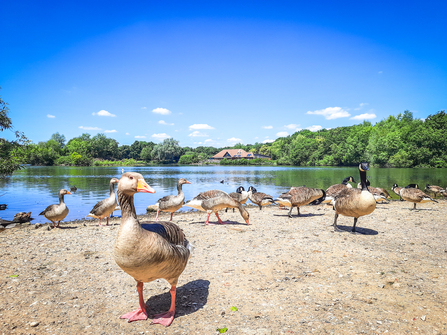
(21, 217)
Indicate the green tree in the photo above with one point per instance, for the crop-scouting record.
(168, 151)
(59, 139)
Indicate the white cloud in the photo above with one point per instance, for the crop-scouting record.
(314, 128)
(331, 113)
(140, 136)
(143, 107)
(110, 131)
(162, 111)
(267, 127)
(360, 106)
(293, 126)
(127, 134)
(165, 123)
(200, 126)
(208, 140)
(366, 116)
(235, 140)
(161, 136)
(104, 113)
(282, 134)
(89, 128)
(268, 141)
(197, 134)
(50, 116)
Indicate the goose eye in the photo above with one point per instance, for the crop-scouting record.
(131, 178)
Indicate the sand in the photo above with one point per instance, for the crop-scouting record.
(279, 275)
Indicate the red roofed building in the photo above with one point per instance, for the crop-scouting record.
(236, 154)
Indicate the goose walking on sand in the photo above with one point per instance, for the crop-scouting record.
(333, 190)
(241, 196)
(215, 200)
(148, 251)
(415, 196)
(355, 202)
(300, 196)
(172, 203)
(259, 198)
(57, 212)
(105, 208)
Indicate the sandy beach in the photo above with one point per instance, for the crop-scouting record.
(278, 275)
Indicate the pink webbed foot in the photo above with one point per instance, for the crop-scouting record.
(136, 315)
(164, 319)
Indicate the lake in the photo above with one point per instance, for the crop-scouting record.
(36, 187)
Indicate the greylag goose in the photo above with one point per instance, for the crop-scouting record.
(240, 196)
(415, 195)
(213, 201)
(435, 190)
(57, 212)
(355, 202)
(105, 208)
(300, 196)
(259, 198)
(148, 251)
(333, 190)
(172, 203)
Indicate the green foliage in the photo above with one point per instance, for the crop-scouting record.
(168, 151)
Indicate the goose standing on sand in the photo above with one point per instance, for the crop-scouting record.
(172, 203)
(355, 202)
(148, 251)
(380, 194)
(213, 201)
(435, 190)
(105, 208)
(300, 196)
(415, 195)
(333, 190)
(241, 196)
(259, 198)
(57, 212)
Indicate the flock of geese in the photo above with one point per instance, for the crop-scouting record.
(159, 249)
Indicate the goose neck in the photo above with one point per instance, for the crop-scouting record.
(363, 180)
(127, 206)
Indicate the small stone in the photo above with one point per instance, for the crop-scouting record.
(423, 317)
(34, 324)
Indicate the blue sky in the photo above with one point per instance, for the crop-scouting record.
(217, 73)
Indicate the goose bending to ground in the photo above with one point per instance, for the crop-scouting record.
(435, 190)
(148, 251)
(105, 208)
(57, 212)
(380, 194)
(355, 202)
(300, 196)
(172, 203)
(259, 198)
(241, 196)
(333, 190)
(415, 195)
(213, 201)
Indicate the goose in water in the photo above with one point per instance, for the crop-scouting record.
(354, 202)
(240, 196)
(213, 201)
(172, 203)
(259, 198)
(105, 208)
(435, 190)
(148, 251)
(57, 212)
(300, 196)
(333, 190)
(415, 195)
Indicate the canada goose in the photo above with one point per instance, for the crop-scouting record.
(259, 198)
(333, 190)
(355, 202)
(172, 203)
(435, 190)
(380, 194)
(396, 189)
(57, 212)
(213, 201)
(240, 196)
(105, 208)
(300, 196)
(148, 251)
(415, 195)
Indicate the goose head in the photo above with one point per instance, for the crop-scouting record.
(240, 189)
(252, 189)
(363, 167)
(351, 179)
(182, 181)
(63, 192)
(394, 186)
(132, 182)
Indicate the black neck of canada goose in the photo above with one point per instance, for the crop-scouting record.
(363, 167)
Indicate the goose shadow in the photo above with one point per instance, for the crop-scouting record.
(302, 215)
(216, 223)
(359, 230)
(189, 298)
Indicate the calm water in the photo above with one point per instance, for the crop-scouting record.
(34, 188)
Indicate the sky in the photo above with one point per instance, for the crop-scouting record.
(217, 73)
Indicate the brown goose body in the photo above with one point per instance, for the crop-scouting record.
(300, 196)
(148, 251)
(215, 200)
(355, 202)
(172, 203)
(105, 208)
(333, 190)
(240, 196)
(57, 212)
(435, 190)
(415, 196)
(259, 198)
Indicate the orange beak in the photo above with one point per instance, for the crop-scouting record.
(68, 192)
(247, 222)
(144, 187)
